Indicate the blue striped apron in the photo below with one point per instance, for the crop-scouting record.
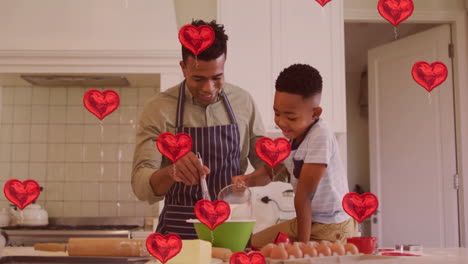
(219, 147)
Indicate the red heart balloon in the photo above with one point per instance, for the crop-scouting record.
(323, 2)
(272, 151)
(395, 11)
(429, 76)
(212, 214)
(196, 39)
(241, 257)
(101, 104)
(20, 193)
(174, 147)
(361, 206)
(163, 247)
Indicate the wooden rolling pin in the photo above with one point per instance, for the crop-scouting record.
(109, 247)
(112, 247)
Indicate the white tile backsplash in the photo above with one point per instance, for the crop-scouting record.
(40, 96)
(22, 114)
(38, 172)
(55, 172)
(74, 172)
(58, 96)
(71, 209)
(74, 134)
(40, 114)
(8, 95)
(54, 208)
(75, 96)
(38, 153)
(6, 133)
(129, 96)
(7, 114)
(21, 133)
(56, 152)
(90, 192)
(75, 114)
(20, 152)
(23, 95)
(90, 209)
(72, 191)
(5, 152)
(54, 191)
(57, 114)
(108, 208)
(5, 168)
(83, 163)
(111, 134)
(39, 133)
(20, 170)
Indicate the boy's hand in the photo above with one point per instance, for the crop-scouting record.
(240, 180)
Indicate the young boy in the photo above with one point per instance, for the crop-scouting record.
(317, 174)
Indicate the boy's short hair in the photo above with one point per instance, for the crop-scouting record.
(218, 48)
(301, 79)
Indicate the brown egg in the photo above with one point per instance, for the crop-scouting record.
(351, 249)
(294, 250)
(300, 244)
(313, 243)
(279, 252)
(309, 249)
(266, 250)
(338, 248)
(326, 242)
(324, 250)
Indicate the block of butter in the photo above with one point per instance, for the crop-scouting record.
(193, 252)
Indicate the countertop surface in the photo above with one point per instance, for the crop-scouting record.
(428, 256)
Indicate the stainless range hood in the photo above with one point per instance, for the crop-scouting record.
(78, 80)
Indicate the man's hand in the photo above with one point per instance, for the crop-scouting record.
(188, 170)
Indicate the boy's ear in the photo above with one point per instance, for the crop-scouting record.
(317, 112)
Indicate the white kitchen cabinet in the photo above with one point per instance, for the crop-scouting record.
(266, 36)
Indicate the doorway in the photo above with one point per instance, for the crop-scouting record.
(359, 39)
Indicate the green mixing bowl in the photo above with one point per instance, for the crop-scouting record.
(232, 234)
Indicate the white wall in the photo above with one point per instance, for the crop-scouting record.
(420, 5)
(186, 10)
(88, 25)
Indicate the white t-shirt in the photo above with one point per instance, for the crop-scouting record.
(320, 146)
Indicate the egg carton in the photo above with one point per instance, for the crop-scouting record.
(320, 259)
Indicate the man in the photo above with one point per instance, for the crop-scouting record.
(223, 122)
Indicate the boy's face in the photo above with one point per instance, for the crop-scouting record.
(295, 114)
(204, 80)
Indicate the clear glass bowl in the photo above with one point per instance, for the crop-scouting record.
(239, 198)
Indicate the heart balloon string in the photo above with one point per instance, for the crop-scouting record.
(212, 214)
(395, 32)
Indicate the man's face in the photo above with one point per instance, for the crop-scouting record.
(204, 80)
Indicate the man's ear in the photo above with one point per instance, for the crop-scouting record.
(317, 112)
(183, 67)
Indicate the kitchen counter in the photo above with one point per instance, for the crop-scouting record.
(429, 256)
